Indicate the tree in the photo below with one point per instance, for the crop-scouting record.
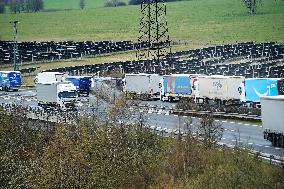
(2, 6)
(251, 5)
(82, 4)
(210, 131)
(15, 6)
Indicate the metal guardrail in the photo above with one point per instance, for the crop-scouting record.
(200, 113)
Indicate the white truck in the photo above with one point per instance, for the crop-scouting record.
(220, 87)
(272, 113)
(143, 86)
(62, 95)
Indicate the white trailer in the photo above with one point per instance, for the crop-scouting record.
(272, 113)
(220, 87)
(142, 84)
(48, 77)
(56, 94)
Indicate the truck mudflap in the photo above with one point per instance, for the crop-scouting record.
(276, 139)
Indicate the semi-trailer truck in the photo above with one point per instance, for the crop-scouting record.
(82, 83)
(142, 85)
(272, 113)
(220, 87)
(255, 88)
(10, 80)
(61, 95)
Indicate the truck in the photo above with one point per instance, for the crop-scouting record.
(143, 86)
(174, 86)
(272, 111)
(219, 87)
(10, 80)
(48, 77)
(82, 83)
(255, 88)
(61, 95)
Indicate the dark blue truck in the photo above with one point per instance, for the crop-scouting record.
(82, 83)
(10, 80)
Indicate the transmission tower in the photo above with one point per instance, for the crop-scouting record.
(154, 32)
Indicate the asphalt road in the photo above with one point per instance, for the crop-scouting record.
(249, 135)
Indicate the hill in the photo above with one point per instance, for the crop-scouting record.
(196, 20)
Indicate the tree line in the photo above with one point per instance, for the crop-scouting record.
(119, 154)
(18, 6)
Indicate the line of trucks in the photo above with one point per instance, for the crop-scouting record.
(54, 89)
(267, 93)
(202, 87)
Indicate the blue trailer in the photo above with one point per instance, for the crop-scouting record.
(10, 80)
(82, 83)
(255, 88)
(175, 86)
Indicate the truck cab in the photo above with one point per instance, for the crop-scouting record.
(10, 80)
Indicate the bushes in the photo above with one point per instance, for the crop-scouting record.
(93, 155)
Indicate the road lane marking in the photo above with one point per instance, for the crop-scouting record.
(266, 146)
(184, 116)
(175, 115)
(250, 143)
(223, 138)
(233, 130)
(224, 121)
(232, 122)
(277, 148)
(217, 120)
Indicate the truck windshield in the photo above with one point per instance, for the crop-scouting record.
(281, 87)
(68, 94)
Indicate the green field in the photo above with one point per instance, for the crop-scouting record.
(196, 20)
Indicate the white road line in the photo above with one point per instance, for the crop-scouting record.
(217, 120)
(159, 113)
(225, 129)
(224, 121)
(233, 130)
(258, 145)
(246, 124)
(233, 140)
(184, 116)
(223, 138)
(239, 123)
(277, 148)
(266, 146)
(255, 125)
(232, 122)
(250, 143)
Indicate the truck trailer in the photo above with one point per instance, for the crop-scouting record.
(82, 83)
(61, 95)
(255, 88)
(220, 87)
(10, 80)
(49, 77)
(272, 113)
(175, 86)
(142, 85)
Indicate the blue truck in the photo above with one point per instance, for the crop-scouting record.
(10, 80)
(175, 86)
(256, 88)
(82, 83)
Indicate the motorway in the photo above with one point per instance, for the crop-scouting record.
(235, 132)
